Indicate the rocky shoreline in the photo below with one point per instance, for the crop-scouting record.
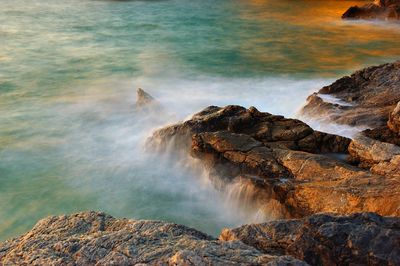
(92, 238)
(379, 9)
(335, 200)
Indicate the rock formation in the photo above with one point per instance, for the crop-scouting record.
(92, 238)
(367, 97)
(379, 9)
(143, 99)
(359, 239)
(285, 159)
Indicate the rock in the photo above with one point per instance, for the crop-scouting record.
(323, 239)
(266, 128)
(383, 134)
(365, 98)
(285, 160)
(381, 158)
(388, 168)
(370, 151)
(143, 99)
(394, 120)
(92, 238)
(379, 9)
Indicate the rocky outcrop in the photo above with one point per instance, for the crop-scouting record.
(379, 157)
(359, 239)
(369, 97)
(92, 238)
(365, 98)
(379, 9)
(285, 159)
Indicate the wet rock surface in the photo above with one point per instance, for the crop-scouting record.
(369, 97)
(285, 159)
(379, 9)
(322, 239)
(93, 238)
(366, 98)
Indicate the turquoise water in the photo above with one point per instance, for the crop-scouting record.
(70, 136)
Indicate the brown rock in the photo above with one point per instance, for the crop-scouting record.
(365, 98)
(379, 9)
(92, 238)
(284, 159)
(370, 151)
(394, 120)
(379, 157)
(383, 134)
(322, 239)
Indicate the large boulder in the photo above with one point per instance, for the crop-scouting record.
(93, 238)
(358, 239)
(286, 161)
(379, 9)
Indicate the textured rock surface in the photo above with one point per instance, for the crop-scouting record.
(383, 134)
(379, 9)
(93, 238)
(394, 119)
(359, 239)
(285, 159)
(380, 157)
(367, 97)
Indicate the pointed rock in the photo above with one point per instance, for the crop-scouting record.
(143, 99)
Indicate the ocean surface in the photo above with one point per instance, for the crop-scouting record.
(71, 138)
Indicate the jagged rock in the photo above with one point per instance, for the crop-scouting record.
(364, 98)
(273, 130)
(322, 239)
(370, 151)
(383, 134)
(143, 99)
(394, 120)
(380, 157)
(379, 9)
(93, 238)
(284, 159)
(388, 168)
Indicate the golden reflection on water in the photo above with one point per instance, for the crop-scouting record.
(309, 26)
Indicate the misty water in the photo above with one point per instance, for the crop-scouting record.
(71, 138)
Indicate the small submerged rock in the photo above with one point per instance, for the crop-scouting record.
(379, 9)
(144, 99)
